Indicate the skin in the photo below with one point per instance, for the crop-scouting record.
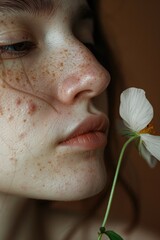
(45, 92)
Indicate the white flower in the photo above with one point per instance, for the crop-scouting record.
(137, 113)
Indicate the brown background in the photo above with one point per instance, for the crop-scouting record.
(132, 32)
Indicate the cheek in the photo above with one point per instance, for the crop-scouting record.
(23, 119)
(15, 77)
(41, 81)
(25, 78)
(17, 112)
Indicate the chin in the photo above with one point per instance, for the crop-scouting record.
(77, 178)
(89, 190)
(85, 183)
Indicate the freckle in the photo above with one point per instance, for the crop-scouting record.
(13, 160)
(18, 101)
(22, 135)
(49, 162)
(3, 85)
(33, 78)
(24, 120)
(17, 79)
(1, 111)
(31, 108)
(10, 118)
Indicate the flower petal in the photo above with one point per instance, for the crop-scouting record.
(152, 144)
(147, 155)
(135, 109)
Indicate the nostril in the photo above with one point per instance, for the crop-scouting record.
(84, 94)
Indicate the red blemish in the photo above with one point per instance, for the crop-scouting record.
(32, 107)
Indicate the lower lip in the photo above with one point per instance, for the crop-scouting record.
(88, 141)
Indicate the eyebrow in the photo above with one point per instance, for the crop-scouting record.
(35, 7)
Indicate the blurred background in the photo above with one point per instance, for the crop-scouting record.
(132, 35)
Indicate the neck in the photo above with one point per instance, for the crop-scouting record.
(11, 214)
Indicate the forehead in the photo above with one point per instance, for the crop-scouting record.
(39, 6)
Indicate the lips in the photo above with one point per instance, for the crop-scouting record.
(90, 134)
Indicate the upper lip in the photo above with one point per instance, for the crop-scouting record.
(95, 123)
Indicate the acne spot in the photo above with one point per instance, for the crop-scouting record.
(32, 107)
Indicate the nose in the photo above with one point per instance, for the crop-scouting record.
(85, 77)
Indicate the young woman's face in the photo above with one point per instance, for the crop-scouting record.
(52, 102)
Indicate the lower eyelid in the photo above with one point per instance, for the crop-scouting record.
(7, 53)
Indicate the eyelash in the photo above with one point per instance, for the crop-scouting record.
(16, 50)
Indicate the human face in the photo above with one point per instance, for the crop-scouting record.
(52, 104)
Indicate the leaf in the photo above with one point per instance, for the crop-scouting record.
(113, 236)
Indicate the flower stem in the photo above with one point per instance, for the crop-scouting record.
(114, 183)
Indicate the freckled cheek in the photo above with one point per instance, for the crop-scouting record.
(41, 80)
(15, 82)
(17, 110)
(39, 77)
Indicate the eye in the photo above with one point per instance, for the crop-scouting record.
(16, 50)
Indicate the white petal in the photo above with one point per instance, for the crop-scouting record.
(135, 109)
(147, 156)
(152, 144)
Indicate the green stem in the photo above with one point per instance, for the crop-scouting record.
(114, 183)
